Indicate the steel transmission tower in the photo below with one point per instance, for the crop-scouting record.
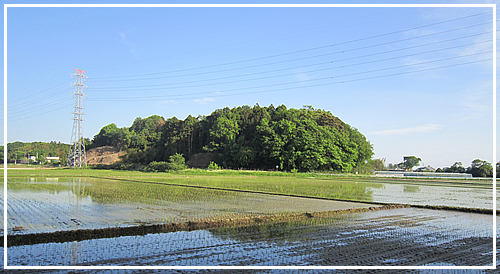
(77, 156)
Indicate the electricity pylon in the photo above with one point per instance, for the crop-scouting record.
(76, 155)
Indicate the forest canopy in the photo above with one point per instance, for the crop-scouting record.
(246, 137)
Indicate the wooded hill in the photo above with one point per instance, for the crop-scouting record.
(20, 151)
(245, 137)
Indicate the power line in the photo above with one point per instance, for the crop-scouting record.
(304, 50)
(247, 42)
(142, 98)
(38, 113)
(35, 92)
(34, 101)
(288, 74)
(310, 57)
(290, 60)
(35, 110)
(346, 81)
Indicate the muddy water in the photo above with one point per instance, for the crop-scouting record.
(411, 237)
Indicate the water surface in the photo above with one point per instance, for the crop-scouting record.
(409, 236)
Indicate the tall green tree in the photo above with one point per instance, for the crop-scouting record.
(480, 168)
(457, 167)
(111, 135)
(409, 162)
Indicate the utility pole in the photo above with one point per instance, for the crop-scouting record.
(76, 155)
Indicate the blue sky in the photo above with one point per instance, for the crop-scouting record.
(413, 80)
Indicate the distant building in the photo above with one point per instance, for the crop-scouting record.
(50, 159)
(423, 174)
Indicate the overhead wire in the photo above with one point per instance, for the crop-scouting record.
(103, 79)
(309, 57)
(147, 87)
(346, 81)
(35, 92)
(9, 119)
(35, 110)
(144, 98)
(35, 101)
(309, 86)
(298, 51)
(274, 36)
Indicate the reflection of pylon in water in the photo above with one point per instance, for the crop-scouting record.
(76, 156)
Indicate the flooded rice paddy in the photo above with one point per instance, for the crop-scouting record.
(396, 237)
(55, 204)
(415, 237)
(455, 196)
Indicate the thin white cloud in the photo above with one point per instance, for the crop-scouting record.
(122, 35)
(303, 77)
(204, 100)
(128, 43)
(169, 102)
(406, 131)
(477, 101)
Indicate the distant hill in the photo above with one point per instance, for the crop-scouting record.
(244, 137)
(20, 150)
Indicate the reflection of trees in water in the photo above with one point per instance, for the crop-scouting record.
(352, 190)
(280, 232)
(114, 191)
(411, 188)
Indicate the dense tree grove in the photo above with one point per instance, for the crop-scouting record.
(478, 168)
(246, 137)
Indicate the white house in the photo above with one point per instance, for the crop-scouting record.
(50, 159)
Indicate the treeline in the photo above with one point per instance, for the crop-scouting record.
(18, 151)
(246, 137)
(478, 168)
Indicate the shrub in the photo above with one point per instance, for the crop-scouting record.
(156, 167)
(176, 162)
(213, 166)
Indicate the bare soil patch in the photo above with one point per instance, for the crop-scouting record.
(105, 155)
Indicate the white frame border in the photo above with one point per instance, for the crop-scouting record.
(244, 6)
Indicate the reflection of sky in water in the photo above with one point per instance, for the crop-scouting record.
(66, 197)
(53, 204)
(401, 234)
(434, 195)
